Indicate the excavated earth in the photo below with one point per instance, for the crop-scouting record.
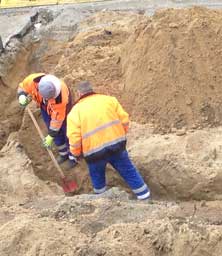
(165, 70)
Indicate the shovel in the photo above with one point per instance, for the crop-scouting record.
(68, 186)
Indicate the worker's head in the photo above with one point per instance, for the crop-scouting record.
(47, 89)
(84, 88)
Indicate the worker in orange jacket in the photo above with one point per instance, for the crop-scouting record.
(54, 99)
(96, 128)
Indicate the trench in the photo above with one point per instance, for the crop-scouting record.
(97, 49)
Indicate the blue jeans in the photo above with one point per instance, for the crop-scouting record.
(125, 168)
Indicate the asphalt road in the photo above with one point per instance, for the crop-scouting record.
(13, 20)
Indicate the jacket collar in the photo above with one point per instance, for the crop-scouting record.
(84, 96)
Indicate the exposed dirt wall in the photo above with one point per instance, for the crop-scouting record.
(172, 69)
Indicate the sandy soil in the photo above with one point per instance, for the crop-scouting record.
(181, 166)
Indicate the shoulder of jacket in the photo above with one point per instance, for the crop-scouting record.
(75, 108)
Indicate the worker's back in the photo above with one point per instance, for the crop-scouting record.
(100, 119)
(97, 109)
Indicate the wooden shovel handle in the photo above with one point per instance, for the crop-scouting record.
(42, 137)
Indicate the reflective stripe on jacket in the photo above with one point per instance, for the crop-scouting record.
(97, 126)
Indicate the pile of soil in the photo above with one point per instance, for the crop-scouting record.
(95, 52)
(172, 67)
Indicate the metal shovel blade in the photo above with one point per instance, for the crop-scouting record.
(68, 186)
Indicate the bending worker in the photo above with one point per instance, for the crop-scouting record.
(96, 128)
(54, 99)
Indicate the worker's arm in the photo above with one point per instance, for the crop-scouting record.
(74, 132)
(58, 115)
(122, 114)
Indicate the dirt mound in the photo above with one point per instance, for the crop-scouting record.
(172, 67)
(94, 54)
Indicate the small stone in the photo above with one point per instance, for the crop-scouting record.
(1, 45)
(203, 203)
(173, 25)
(2, 134)
(214, 154)
(118, 203)
(146, 231)
(189, 101)
(181, 132)
(116, 234)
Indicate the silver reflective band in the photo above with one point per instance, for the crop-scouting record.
(63, 153)
(56, 121)
(86, 135)
(105, 145)
(99, 191)
(61, 147)
(75, 145)
(141, 189)
(54, 129)
(145, 196)
(72, 157)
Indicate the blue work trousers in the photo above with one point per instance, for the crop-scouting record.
(126, 169)
(60, 139)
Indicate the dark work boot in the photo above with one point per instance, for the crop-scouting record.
(61, 159)
(71, 164)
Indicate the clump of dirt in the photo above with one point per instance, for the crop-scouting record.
(172, 68)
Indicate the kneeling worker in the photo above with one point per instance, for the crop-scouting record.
(54, 99)
(96, 128)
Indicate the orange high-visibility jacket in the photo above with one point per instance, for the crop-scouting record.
(56, 108)
(96, 127)
(59, 107)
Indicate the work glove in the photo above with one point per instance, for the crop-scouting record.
(48, 141)
(73, 161)
(23, 100)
